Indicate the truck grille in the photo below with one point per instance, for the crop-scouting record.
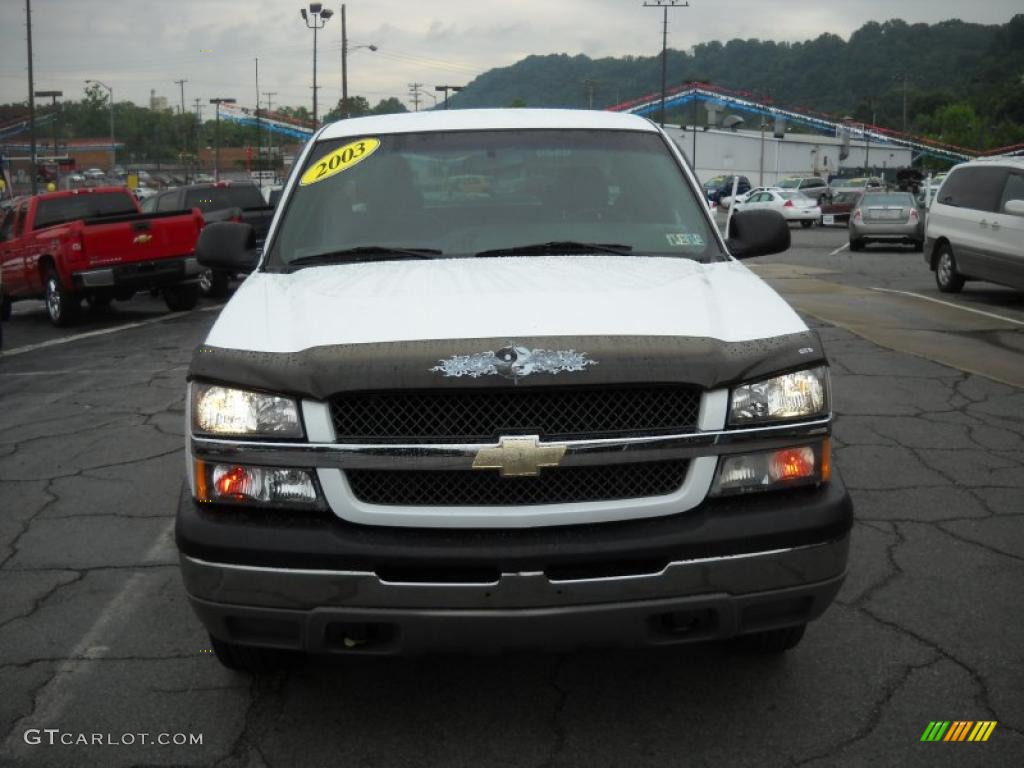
(474, 416)
(461, 488)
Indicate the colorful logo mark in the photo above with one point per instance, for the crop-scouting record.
(958, 730)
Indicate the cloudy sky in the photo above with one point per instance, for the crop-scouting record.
(138, 45)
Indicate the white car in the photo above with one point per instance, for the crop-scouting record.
(975, 226)
(794, 206)
(495, 390)
(143, 193)
(95, 173)
(725, 202)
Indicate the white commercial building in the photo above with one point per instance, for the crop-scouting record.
(764, 159)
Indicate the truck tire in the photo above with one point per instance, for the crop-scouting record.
(856, 244)
(181, 298)
(61, 305)
(213, 284)
(771, 640)
(807, 223)
(248, 658)
(947, 277)
(5, 307)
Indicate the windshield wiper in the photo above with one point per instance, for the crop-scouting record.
(361, 253)
(559, 247)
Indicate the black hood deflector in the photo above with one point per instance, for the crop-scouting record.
(321, 372)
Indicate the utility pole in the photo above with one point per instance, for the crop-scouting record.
(665, 5)
(588, 88)
(344, 64)
(414, 92)
(259, 136)
(216, 135)
(904, 102)
(270, 134)
(53, 107)
(181, 84)
(31, 100)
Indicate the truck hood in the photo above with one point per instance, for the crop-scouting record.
(509, 297)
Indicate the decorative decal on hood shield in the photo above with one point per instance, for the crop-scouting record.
(513, 362)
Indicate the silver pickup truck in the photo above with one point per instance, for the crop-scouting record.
(498, 381)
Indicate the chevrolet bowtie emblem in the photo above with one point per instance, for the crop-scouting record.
(519, 456)
(140, 239)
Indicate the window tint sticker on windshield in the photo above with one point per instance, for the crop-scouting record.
(684, 239)
(339, 160)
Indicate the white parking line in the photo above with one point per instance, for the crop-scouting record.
(100, 332)
(993, 315)
(842, 247)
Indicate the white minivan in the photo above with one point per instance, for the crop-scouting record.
(975, 228)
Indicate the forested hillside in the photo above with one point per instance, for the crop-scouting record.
(965, 82)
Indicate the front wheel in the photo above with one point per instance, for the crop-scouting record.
(181, 298)
(61, 305)
(947, 277)
(806, 223)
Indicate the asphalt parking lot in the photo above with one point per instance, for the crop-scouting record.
(97, 637)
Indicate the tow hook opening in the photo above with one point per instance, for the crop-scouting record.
(685, 624)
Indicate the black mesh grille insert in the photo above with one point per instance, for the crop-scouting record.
(483, 415)
(460, 488)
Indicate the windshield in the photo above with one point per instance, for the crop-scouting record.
(58, 210)
(218, 198)
(467, 192)
(902, 198)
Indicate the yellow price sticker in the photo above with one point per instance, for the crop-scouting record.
(339, 160)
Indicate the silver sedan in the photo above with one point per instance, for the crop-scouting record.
(891, 217)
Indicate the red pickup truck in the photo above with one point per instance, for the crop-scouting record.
(97, 245)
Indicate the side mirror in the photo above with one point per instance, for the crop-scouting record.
(228, 246)
(757, 233)
(1015, 207)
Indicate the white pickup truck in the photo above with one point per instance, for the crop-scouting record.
(498, 381)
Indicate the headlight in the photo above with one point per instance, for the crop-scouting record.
(798, 395)
(225, 411)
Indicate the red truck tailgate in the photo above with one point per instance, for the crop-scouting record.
(139, 237)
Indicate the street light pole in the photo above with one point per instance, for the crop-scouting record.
(53, 105)
(113, 149)
(457, 88)
(31, 101)
(344, 62)
(216, 135)
(664, 5)
(319, 15)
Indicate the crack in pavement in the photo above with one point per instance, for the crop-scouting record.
(38, 602)
(874, 717)
(561, 697)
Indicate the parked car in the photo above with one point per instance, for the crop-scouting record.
(480, 424)
(726, 201)
(221, 201)
(813, 187)
(204, 178)
(890, 217)
(95, 244)
(95, 174)
(837, 206)
(143, 193)
(720, 186)
(792, 205)
(975, 227)
(856, 184)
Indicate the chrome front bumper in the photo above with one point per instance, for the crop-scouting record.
(353, 611)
